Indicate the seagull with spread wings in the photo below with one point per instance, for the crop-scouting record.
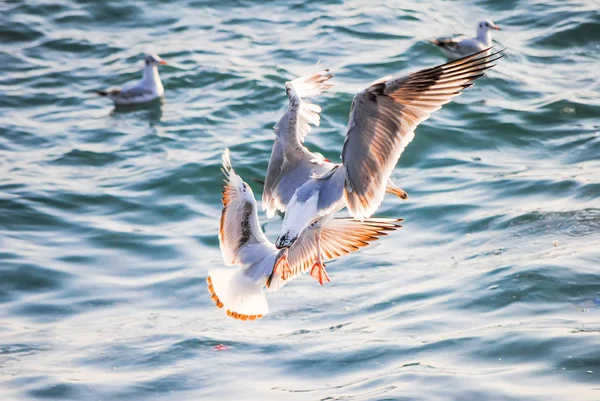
(292, 164)
(243, 243)
(383, 118)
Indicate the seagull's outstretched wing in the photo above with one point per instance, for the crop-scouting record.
(291, 130)
(239, 226)
(296, 123)
(339, 237)
(383, 119)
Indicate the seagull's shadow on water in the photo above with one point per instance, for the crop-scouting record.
(150, 111)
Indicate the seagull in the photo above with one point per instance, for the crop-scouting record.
(382, 121)
(147, 89)
(243, 243)
(461, 46)
(291, 163)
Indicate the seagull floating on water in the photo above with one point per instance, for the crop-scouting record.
(147, 89)
(291, 164)
(383, 118)
(462, 46)
(243, 243)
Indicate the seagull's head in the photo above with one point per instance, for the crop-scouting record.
(285, 240)
(485, 26)
(293, 225)
(154, 59)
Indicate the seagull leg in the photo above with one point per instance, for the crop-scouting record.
(318, 268)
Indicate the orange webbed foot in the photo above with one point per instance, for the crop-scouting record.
(319, 273)
(283, 267)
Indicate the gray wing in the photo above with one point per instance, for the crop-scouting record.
(239, 228)
(448, 43)
(383, 119)
(291, 130)
(270, 202)
(291, 177)
(134, 91)
(470, 45)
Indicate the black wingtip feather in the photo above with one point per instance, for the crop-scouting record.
(481, 55)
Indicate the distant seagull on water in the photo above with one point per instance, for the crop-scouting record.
(145, 90)
(462, 46)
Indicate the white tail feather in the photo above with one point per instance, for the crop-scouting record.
(241, 296)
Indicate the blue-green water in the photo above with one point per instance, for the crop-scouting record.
(108, 219)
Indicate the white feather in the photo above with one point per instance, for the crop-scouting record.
(239, 292)
(298, 216)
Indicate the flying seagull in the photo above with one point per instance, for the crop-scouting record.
(243, 243)
(383, 118)
(291, 163)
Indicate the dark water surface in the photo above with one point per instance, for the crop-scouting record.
(108, 219)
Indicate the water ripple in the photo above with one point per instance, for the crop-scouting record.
(109, 217)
